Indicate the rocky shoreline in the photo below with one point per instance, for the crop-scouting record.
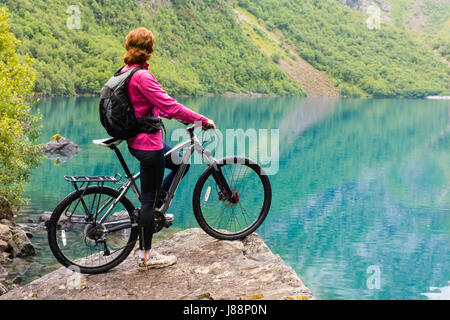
(14, 243)
(206, 269)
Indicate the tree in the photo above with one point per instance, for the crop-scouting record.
(19, 151)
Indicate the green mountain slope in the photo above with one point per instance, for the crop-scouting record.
(436, 24)
(334, 38)
(429, 18)
(200, 47)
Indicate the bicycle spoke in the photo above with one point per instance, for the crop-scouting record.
(236, 215)
(87, 242)
(238, 175)
(244, 211)
(246, 168)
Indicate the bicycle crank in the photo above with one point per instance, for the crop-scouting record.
(160, 221)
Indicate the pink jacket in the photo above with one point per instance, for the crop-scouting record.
(144, 91)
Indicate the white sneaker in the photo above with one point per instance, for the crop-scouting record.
(156, 260)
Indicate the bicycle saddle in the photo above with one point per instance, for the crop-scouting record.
(108, 142)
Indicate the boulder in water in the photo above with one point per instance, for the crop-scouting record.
(20, 245)
(60, 149)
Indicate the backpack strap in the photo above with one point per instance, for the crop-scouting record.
(132, 72)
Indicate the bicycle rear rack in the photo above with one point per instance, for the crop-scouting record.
(114, 179)
(78, 182)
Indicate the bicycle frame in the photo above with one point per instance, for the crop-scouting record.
(97, 219)
(188, 147)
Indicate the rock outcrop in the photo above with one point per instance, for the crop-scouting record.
(44, 218)
(206, 269)
(60, 149)
(14, 241)
(362, 5)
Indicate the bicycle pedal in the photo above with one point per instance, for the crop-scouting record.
(167, 224)
(136, 213)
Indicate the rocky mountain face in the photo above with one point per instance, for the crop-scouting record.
(365, 6)
(362, 5)
(154, 3)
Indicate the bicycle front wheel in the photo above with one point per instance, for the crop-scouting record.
(235, 219)
(85, 237)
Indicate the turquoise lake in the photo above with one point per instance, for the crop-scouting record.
(361, 198)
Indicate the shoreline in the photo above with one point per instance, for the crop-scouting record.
(208, 95)
(206, 269)
(438, 97)
(238, 95)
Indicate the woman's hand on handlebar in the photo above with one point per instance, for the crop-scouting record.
(209, 125)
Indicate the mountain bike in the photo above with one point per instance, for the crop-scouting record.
(95, 228)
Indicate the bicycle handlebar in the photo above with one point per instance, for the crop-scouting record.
(208, 126)
(205, 127)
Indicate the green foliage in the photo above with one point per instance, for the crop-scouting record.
(18, 128)
(438, 13)
(436, 21)
(276, 57)
(400, 8)
(442, 41)
(199, 48)
(335, 39)
(55, 137)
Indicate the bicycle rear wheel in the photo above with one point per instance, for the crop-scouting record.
(79, 240)
(222, 218)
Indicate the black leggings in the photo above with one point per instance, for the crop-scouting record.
(152, 164)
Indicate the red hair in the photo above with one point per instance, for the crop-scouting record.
(139, 44)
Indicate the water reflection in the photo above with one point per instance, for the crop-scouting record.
(361, 183)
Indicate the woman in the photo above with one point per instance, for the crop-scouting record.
(145, 92)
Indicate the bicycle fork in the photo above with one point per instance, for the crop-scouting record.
(224, 187)
(219, 178)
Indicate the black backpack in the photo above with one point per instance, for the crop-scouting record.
(117, 112)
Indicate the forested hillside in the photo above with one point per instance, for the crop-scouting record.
(201, 47)
(429, 18)
(432, 17)
(334, 38)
